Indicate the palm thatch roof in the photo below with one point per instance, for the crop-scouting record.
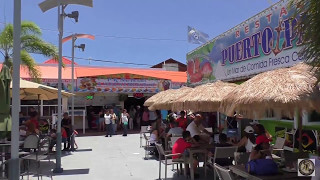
(204, 98)
(165, 102)
(155, 97)
(285, 89)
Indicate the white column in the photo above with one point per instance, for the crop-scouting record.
(41, 107)
(64, 104)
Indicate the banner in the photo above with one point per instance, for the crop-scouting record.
(122, 85)
(264, 42)
(66, 83)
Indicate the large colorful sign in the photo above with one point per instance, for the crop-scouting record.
(264, 42)
(122, 85)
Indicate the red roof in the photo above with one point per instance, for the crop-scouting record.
(174, 76)
(64, 61)
(51, 72)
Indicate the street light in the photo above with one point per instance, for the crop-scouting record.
(61, 5)
(74, 37)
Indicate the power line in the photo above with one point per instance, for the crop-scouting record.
(110, 61)
(115, 62)
(121, 37)
(116, 37)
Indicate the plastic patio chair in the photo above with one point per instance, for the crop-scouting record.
(278, 147)
(40, 152)
(148, 146)
(144, 129)
(222, 152)
(223, 173)
(167, 159)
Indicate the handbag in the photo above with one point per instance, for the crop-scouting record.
(262, 167)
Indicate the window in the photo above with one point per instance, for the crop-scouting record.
(285, 116)
(314, 117)
(270, 113)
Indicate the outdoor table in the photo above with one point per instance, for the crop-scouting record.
(240, 170)
(198, 150)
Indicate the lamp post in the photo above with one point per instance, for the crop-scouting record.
(74, 37)
(44, 6)
(14, 170)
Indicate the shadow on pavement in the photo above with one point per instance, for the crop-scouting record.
(44, 170)
(73, 172)
(83, 150)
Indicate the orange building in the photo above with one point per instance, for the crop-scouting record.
(103, 86)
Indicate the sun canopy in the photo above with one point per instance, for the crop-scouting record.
(153, 99)
(204, 98)
(34, 91)
(165, 102)
(285, 89)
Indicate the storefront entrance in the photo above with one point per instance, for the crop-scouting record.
(134, 101)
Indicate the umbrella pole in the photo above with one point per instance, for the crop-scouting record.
(218, 122)
(299, 120)
(39, 106)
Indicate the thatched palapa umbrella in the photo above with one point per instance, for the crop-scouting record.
(157, 96)
(204, 98)
(165, 102)
(288, 89)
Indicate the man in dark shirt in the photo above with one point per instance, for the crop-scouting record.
(66, 124)
(222, 143)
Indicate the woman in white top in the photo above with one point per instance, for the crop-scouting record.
(248, 139)
(108, 123)
(124, 120)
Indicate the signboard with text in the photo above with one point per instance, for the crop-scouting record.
(121, 85)
(264, 42)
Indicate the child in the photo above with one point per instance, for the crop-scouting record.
(75, 133)
(64, 138)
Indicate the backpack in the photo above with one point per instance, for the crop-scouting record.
(262, 167)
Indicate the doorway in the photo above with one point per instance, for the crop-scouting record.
(133, 101)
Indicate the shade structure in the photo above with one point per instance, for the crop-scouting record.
(287, 89)
(5, 118)
(34, 91)
(165, 102)
(204, 98)
(157, 97)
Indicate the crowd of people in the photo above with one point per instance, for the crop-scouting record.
(255, 141)
(33, 124)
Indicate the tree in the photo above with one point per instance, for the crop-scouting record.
(31, 42)
(308, 13)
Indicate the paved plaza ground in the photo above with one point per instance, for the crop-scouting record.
(115, 158)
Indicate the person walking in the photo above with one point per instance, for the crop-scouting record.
(145, 117)
(138, 116)
(66, 124)
(113, 121)
(124, 121)
(101, 120)
(108, 123)
(132, 113)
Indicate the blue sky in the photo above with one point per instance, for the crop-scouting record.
(150, 19)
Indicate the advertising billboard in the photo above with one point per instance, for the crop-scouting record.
(264, 42)
(121, 85)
